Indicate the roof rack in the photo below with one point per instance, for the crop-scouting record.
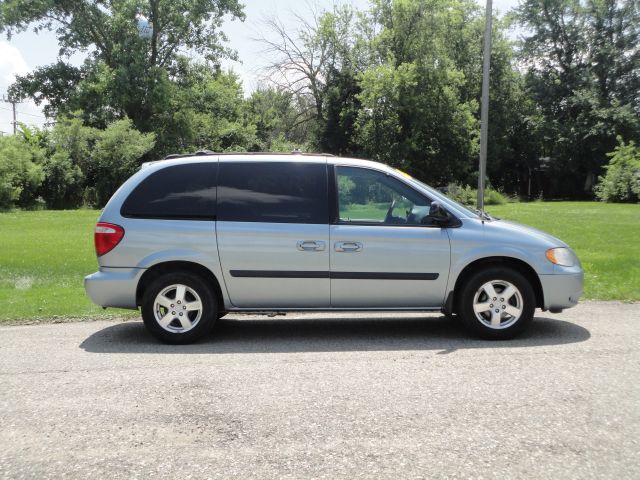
(209, 152)
(198, 153)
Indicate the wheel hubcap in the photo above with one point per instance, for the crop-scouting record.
(177, 308)
(498, 304)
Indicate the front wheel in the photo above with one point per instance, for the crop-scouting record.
(179, 308)
(496, 303)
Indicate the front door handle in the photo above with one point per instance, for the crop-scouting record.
(310, 245)
(348, 246)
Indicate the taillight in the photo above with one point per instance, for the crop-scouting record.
(107, 236)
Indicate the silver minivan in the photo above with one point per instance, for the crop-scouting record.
(190, 238)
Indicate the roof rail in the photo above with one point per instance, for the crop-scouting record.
(209, 152)
(195, 154)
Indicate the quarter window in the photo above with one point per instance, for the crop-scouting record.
(177, 192)
(273, 192)
(372, 197)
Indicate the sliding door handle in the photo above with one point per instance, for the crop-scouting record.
(348, 246)
(310, 245)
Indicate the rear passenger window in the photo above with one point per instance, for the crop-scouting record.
(273, 192)
(177, 192)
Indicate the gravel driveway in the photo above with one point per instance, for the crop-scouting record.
(333, 396)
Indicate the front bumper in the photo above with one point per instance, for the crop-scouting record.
(561, 290)
(113, 287)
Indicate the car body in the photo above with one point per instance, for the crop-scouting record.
(290, 232)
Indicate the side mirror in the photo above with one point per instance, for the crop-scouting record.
(437, 215)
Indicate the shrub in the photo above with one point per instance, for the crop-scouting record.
(20, 173)
(466, 195)
(62, 186)
(462, 194)
(621, 183)
(494, 197)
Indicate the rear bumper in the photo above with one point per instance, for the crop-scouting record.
(113, 287)
(561, 290)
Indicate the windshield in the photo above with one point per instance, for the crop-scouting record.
(441, 196)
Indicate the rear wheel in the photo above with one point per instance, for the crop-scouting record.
(179, 308)
(496, 303)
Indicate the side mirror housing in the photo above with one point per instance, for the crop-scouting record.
(437, 215)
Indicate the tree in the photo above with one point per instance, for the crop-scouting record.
(417, 113)
(305, 62)
(583, 73)
(116, 154)
(280, 124)
(124, 74)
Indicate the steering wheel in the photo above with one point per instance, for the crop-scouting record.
(389, 217)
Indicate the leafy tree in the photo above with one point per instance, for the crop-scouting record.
(414, 112)
(77, 140)
(341, 108)
(583, 73)
(280, 124)
(621, 183)
(116, 154)
(124, 74)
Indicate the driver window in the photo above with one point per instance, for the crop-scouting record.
(368, 196)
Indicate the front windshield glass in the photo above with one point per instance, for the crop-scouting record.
(441, 196)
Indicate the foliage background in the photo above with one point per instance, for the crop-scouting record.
(397, 82)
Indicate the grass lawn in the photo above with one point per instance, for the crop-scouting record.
(606, 238)
(45, 255)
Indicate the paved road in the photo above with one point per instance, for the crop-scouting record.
(325, 396)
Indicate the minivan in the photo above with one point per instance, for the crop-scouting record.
(191, 238)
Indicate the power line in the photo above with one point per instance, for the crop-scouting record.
(13, 104)
(23, 113)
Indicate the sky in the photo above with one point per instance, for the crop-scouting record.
(28, 50)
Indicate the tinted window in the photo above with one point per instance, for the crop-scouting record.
(367, 196)
(273, 192)
(181, 191)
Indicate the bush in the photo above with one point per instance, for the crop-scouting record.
(494, 197)
(462, 194)
(20, 173)
(621, 183)
(62, 186)
(69, 166)
(466, 195)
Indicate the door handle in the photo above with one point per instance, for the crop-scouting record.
(348, 246)
(310, 245)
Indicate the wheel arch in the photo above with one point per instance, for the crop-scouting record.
(162, 268)
(520, 266)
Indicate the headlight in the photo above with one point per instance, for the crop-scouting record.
(561, 256)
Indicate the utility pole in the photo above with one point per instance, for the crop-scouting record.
(484, 105)
(13, 103)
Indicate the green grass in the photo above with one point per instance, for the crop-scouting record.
(606, 238)
(370, 211)
(45, 255)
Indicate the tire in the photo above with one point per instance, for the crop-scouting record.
(488, 314)
(179, 308)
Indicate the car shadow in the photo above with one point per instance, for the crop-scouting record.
(327, 334)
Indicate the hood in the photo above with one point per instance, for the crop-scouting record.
(523, 233)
